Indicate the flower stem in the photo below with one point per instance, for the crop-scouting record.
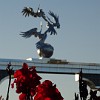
(9, 70)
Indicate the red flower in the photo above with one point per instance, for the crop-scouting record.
(47, 91)
(28, 85)
(26, 80)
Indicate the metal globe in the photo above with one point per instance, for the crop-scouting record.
(46, 51)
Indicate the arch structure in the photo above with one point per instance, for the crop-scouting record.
(91, 71)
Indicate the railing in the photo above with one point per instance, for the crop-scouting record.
(53, 66)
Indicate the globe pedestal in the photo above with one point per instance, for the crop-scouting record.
(46, 51)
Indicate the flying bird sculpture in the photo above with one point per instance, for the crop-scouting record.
(44, 49)
(29, 11)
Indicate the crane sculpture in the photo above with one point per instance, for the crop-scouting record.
(44, 49)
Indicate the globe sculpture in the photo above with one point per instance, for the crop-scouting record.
(44, 49)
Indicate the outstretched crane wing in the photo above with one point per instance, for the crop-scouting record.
(56, 18)
(29, 33)
(27, 11)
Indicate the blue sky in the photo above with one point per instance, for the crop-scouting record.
(78, 39)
